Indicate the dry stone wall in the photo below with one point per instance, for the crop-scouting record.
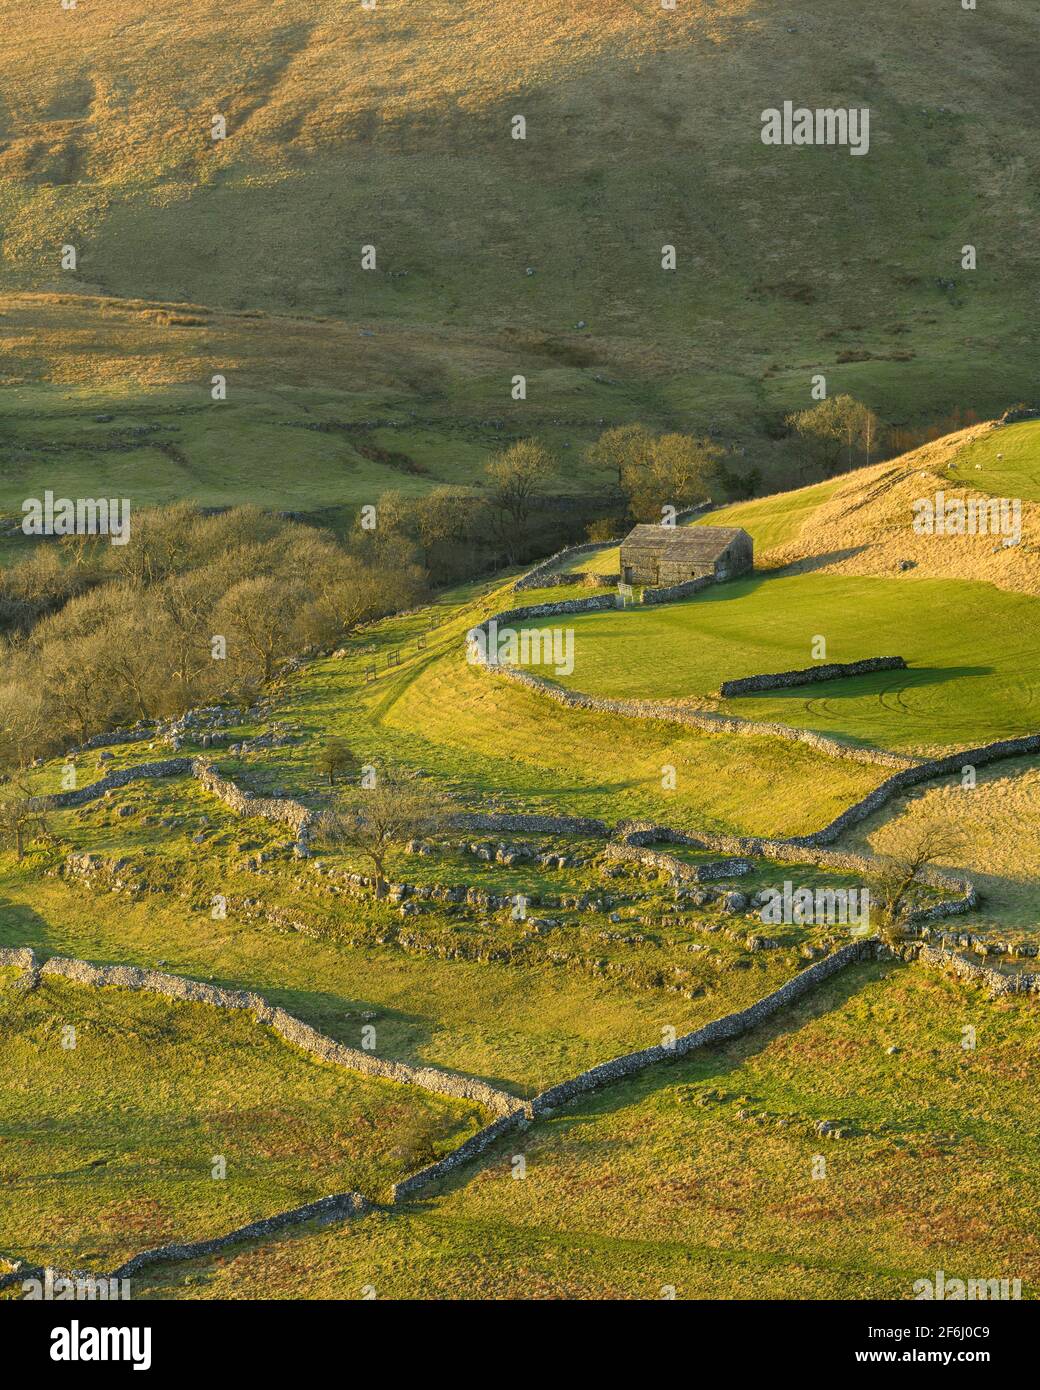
(834, 671)
(719, 1030)
(912, 771)
(996, 982)
(677, 591)
(951, 765)
(697, 719)
(292, 1029)
(546, 575)
(278, 809)
(679, 868)
(342, 1206)
(168, 767)
(635, 836)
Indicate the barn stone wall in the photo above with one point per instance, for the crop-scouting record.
(678, 591)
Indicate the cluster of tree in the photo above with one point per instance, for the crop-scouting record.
(195, 608)
(456, 532)
(904, 438)
(836, 427)
(651, 471)
(451, 530)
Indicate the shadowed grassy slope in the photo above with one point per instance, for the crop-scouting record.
(362, 127)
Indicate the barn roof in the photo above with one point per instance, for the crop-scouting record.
(696, 543)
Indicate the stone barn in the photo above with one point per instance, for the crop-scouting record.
(660, 556)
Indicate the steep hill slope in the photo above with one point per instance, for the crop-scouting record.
(863, 522)
(348, 127)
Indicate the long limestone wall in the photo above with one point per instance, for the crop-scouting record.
(122, 777)
(346, 1205)
(341, 1206)
(292, 1029)
(911, 771)
(951, 765)
(546, 575)
(799, 849)
(833, 671)
(719, 1030)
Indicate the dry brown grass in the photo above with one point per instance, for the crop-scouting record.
(865, 527)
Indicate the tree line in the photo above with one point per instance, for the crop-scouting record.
(195, 609)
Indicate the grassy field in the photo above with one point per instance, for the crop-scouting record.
(717, 1191)
(352, 131)
(700, 1175)
(969, 646)
(108, 1146)
(435, 713)
(1004, 463)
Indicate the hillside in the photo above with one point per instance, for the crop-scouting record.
(863, 523)
(348, 127)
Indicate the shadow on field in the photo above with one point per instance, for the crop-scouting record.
(21, 926)
(818, 562)
(881, 683)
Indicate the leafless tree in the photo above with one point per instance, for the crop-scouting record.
(917, 849)
(382, 818)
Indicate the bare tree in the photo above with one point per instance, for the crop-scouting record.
(20, 815)
(261, 614)
(383, 817)
(517, 476)
(917, 849)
